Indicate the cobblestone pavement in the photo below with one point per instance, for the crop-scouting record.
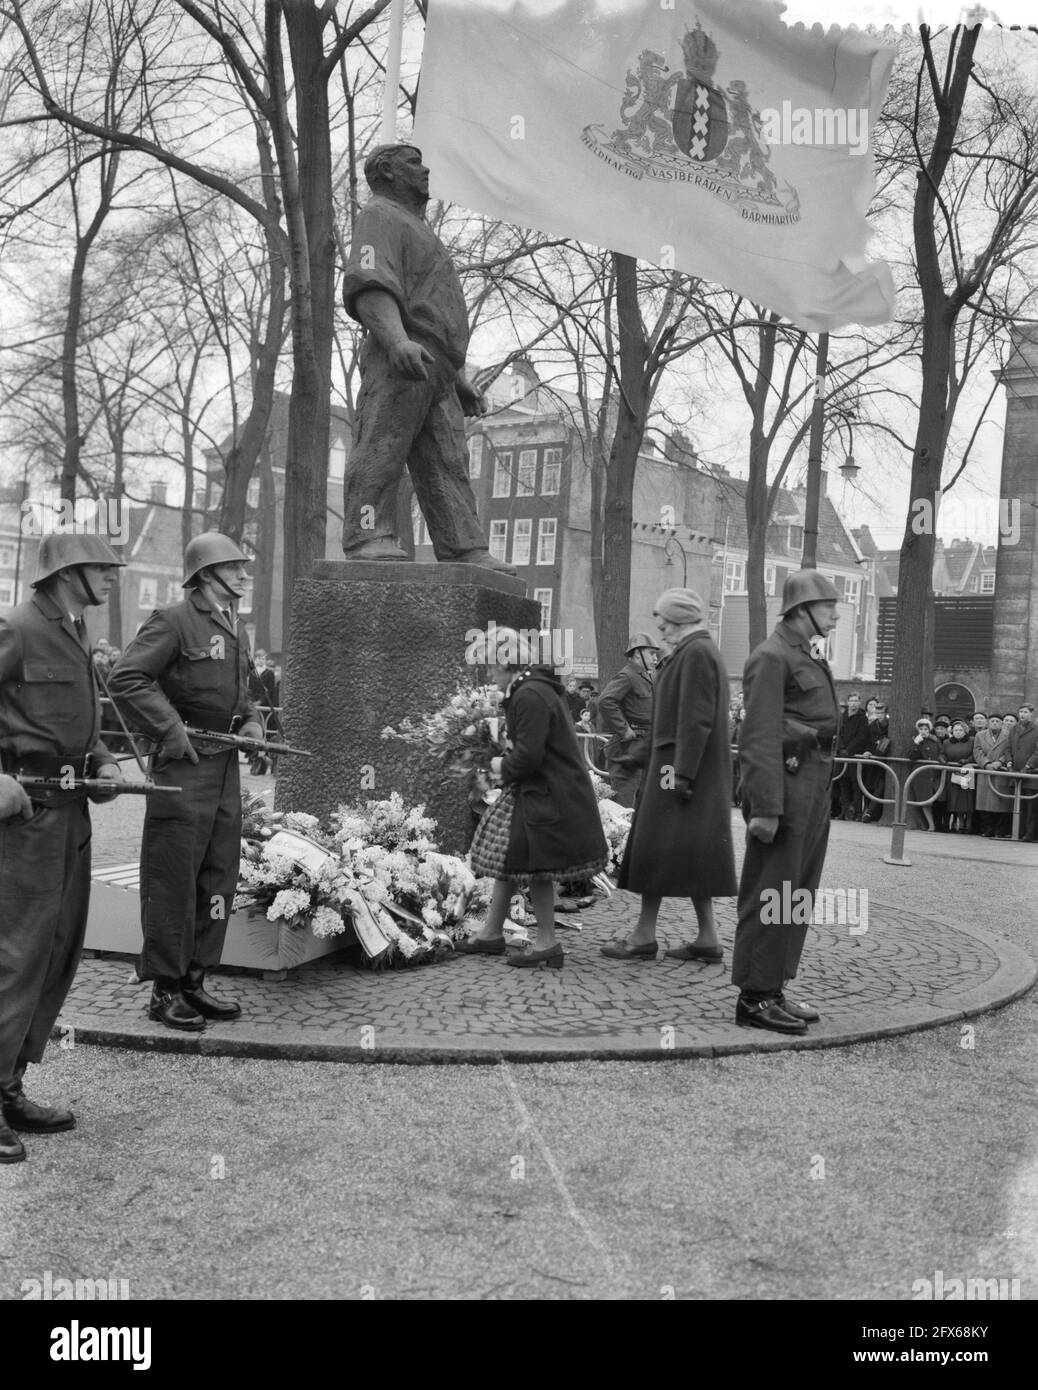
(912, 967)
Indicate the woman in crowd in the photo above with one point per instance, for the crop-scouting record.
(545, 826)
(958, 753)
(680, 843)
(987, 807)
(925, 748)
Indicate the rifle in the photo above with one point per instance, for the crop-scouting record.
(246, 745)
(90, 784)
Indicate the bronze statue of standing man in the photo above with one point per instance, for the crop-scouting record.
(402, 286)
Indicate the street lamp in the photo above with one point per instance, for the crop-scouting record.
(673, 540)
(849, 468)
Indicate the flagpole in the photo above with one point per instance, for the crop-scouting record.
(814, 458)
(392, 87)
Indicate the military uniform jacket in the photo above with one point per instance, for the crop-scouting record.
(186, 665)
(626, 701)
(782, 682)
(48, 692)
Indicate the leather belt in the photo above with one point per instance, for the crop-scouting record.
(210, 722)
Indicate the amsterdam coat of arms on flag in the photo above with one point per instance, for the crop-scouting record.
(679, 126)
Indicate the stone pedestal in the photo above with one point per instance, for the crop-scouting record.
(371, 644)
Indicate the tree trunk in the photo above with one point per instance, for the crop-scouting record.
(611, 615)
(914, 681)
(309, 213)
(757, 513)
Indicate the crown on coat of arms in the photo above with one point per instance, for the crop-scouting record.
(700, 53)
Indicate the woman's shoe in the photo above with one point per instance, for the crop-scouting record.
(474, 946)
(619, 950)
(693, 952)
(552, 958)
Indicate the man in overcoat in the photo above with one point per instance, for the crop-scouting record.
(680, 843)
(189, 664)
(1023, 749)
(786, 744)
(50, 726)
(625, 713)
(852, 742)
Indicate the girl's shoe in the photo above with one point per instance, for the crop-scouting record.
(475, 947)
(620, 950)
(552, 958)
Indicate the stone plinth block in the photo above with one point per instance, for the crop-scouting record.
(371, 644)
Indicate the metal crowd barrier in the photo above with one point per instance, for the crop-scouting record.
(901, 800)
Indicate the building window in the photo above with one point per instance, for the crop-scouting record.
(734, 576)
(796, 539)
(543, 597)
(521, 542)
(526, 481)
(245, 602)
(174, 591)
(987, 582)
(974, 585)
(149, 596)
(252, 494)
(498, 539)
(769, 579)
(6, 593)
(551, 473)
(475, 456)
(503, 475)
(546, 540)
(336, 462)
(7, 557)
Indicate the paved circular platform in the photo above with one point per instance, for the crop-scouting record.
(904, 972)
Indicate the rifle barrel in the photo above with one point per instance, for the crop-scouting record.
(62, 784)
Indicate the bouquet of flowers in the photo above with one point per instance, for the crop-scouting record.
(616, 822)
(464, 734)
(283, 889)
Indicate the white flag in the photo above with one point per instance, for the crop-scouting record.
(706, 137)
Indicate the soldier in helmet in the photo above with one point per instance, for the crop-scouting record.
(625, 712)
(189, 664)
(50, 726)
(785, 757)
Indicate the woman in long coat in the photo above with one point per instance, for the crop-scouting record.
(958, 752)
(680, 843)
(545, 826)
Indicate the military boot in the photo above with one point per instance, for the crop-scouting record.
(197, 997)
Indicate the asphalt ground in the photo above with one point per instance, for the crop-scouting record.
(852, 1173)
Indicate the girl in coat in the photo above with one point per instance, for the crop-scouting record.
(680, 843)
(545, 826)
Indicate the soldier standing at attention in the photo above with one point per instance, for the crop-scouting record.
(625, 712)
(189, 664)
(50, 726)
(785, 756)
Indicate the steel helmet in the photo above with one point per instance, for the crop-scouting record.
(61, 550)
(640, 640)
(807, 586)
(210, 548)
